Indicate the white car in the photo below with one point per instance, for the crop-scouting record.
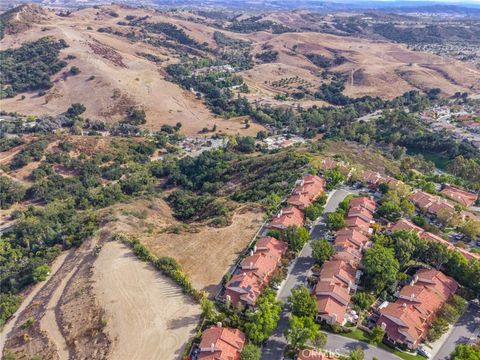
(422, 350)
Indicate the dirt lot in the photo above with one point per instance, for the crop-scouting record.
(148, 316)
(205, 253)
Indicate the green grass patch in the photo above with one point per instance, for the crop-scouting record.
(440, 161)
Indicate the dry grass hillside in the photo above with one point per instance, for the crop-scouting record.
(114, 77)
(374, 68)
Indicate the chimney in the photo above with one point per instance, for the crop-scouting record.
(412, 297)
(212, 347)
(251, 252)
(415, 279)
(412, 282)
(255, 248)
(251, 265)
(219, 324)
(404, 305)
(383, 326)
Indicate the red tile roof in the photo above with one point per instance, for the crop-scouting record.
(463, 197)
(307, 191)
(255, 271)
(244, 288)
(274, 247)
(406, 225)
(287, 217)
(406, 320)
(221, 343)
(357, 222)
(365, 202)
(433, 204)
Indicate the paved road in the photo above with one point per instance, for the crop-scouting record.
(297, 275)
(463, 331)
(341, 345)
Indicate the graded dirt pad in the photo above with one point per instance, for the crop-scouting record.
(148, 316)
(205, 253)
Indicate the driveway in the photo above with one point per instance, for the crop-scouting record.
(464, 330)
(297, 275)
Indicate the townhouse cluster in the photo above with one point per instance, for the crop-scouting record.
(256, 270)
(306, 191)
(437, 206)
(407, 225)
(406, 321)
(340, 275)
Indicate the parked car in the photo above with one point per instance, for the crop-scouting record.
(422, 350)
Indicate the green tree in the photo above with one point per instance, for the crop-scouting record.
(390, 210)
(313, 211)
(377, 335)
(438, 327)
(320, 340)
(10, 192)
(380, 267)
(335, 220)
(40, 273)
(302, 303)
(334, 177)
(296, 237)
(356, 354)
(76, 109)
(322, 250)
(300, 331)
(251, 352)
(261, 322)
(471, 229)
(209, 313)
(363, 300)
(466, 352)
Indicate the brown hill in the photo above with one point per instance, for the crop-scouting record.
(115, 75)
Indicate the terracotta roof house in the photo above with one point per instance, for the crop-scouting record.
(255, 272)
(358, 223)
(345, 271)
(365, 202)
(350, 237)
(352, 233)
(441, 207)
(332, 301)
(373, 179)
(432, 204)
(262, 264)
(360, 212)
(404, 224)
(308, 354)
(274, 247)
(348, 254)
(463, 197)
(307, 190)
(221, 343)
(407, 320)
(287, 217)
(422, 199)
(244, 289)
